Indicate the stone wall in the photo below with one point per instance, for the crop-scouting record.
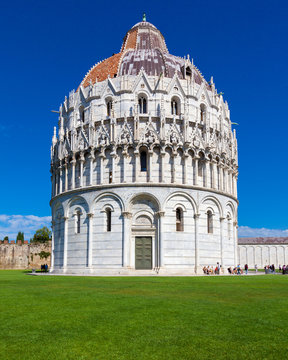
(25, 256)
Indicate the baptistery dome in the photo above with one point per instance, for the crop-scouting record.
(144, 167)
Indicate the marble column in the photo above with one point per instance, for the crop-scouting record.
(73, 164)
(66, 174)
(125, 160)
(221, 242)
(150, 159)
(159, 253)
(101, 157)
(92, 158)
(162, 159)
(197, 257)
(185, 159)
(52, 246)
(65, 248)
(173, 155)
(221, 187)
(196, 159)
(90, 240)
(113, 157)
(214, 175)
(56, 181)
(235, 238)
(60, 179)
(81, 170)
(136, 165)
(126, 239)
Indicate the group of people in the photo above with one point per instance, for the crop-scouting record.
(237, 270)
(44, 268)
(210, 270)
(284, 269)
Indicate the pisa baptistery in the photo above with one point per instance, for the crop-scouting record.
(144, 167)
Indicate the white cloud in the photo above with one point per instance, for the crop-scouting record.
(11, 224)
(246, 231)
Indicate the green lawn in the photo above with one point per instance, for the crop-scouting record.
(49, 317)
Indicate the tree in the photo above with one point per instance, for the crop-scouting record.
(20, 236)
(6, 238)
(41, 235)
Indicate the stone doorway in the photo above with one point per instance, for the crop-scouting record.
(143, 252)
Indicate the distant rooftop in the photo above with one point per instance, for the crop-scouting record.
(262, 240)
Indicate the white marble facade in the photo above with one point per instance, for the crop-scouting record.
(263, 252)
(144, 154)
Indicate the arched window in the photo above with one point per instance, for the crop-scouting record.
(179, 219)
(78, 222)
(109, 107)
(142, 105)
(202, 112)
(143, 160)
(209, 222)
(108, 219)
(175, 106)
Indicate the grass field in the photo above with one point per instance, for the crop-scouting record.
(49, 317)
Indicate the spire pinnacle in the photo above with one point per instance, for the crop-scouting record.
(144, 17)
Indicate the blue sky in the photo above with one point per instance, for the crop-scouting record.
(48, 46)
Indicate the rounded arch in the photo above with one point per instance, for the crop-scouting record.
(175, 105)
(109, 105)
(180, 193)
(142, 101)
(230, 206)
(105, 194)
(141, 196)
(82, 205)
(180, 206)
(143, 213)
(209, 209)
(106, 207)
(203, 111)
(215, 200)
(56, 209)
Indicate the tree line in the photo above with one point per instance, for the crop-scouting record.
(42, 235)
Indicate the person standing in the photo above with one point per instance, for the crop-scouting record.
(256, 268)
(246, 269)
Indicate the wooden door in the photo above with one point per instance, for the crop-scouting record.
(143, 253)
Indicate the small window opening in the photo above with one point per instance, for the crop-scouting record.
(209, 222)
(142, 105)
(108, 219)
(82, 115)
(110, 177)
(175, 106)
(188, 71)
(78, 225)
(179, 219)
(109, 108)
(202, 112)
(143, 160)
(200, 168)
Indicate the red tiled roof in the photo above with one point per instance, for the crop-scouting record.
(262, 240)
(102, 70)
(143, 46)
